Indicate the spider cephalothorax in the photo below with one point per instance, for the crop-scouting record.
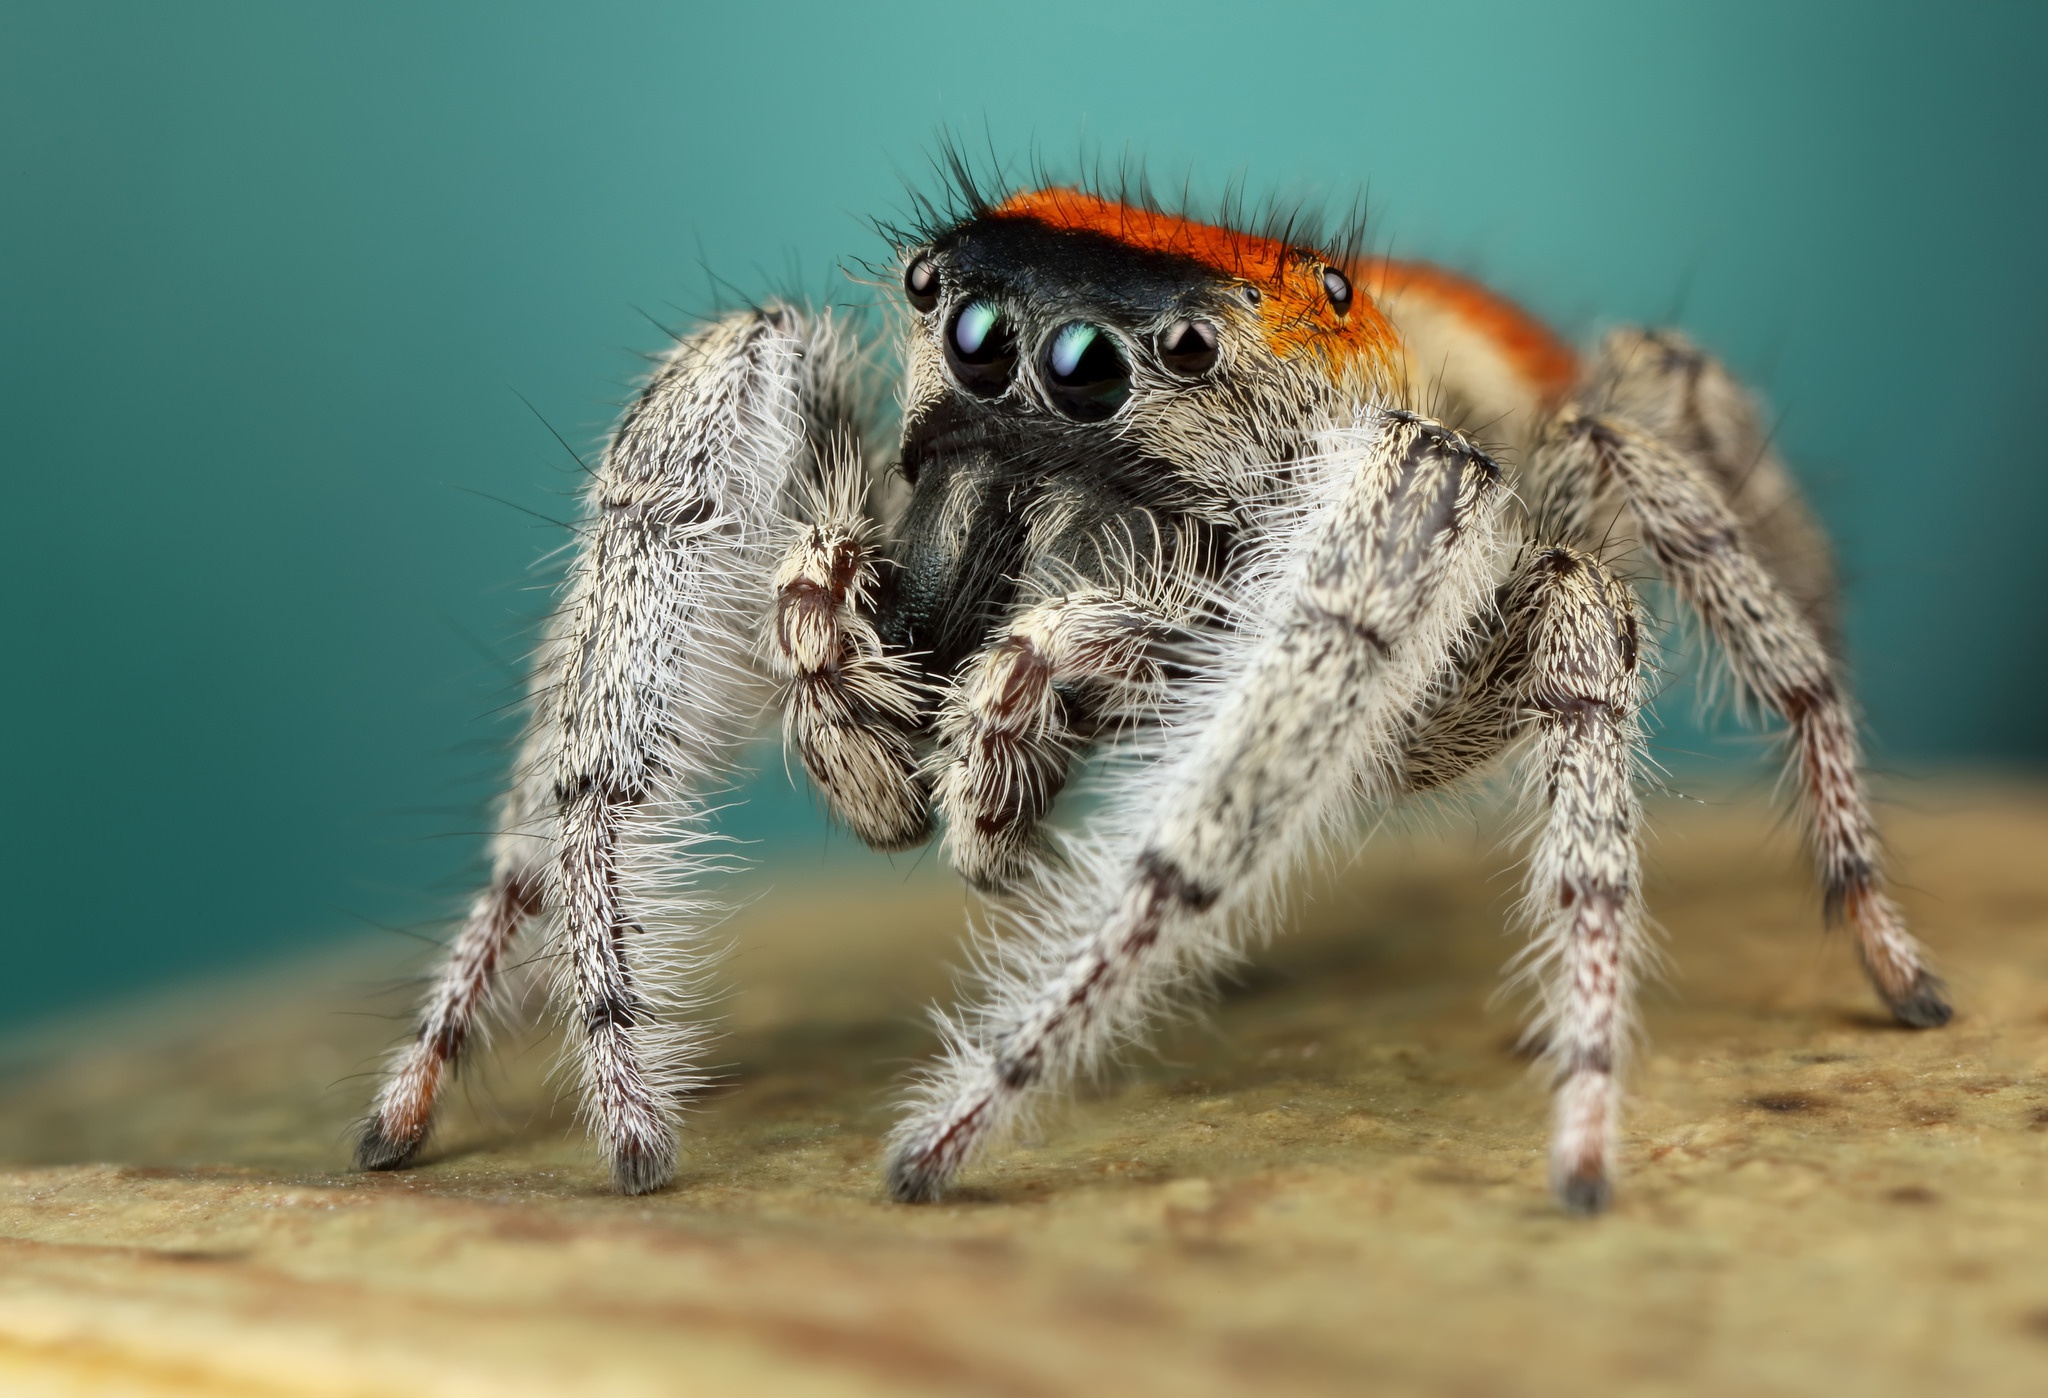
(1169, 488)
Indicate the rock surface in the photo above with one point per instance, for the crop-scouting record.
(1331, 1184)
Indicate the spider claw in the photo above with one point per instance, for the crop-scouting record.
(1585, 1195)
(638, 1168)
(913, 1180)
(377, 1151)
(1925, 1006)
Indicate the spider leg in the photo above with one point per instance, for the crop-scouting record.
(1580, 691)
(1773, 650)
(1663, 383)
(851, 707)
(1365, 605)
(1558, 666)
(644, 686)
(398, 1121)
(1007, 728)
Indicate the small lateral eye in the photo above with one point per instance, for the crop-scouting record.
(921, 285)
(1250, 294)
(1086, 376)
(980, 348)
(1337, 287)
(1188, 348)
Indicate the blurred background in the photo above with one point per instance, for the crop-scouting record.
(293, 298)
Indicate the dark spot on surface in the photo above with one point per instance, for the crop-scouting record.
(2035, 1323)
(2037, 1120)
(1912, 1194)
(1787, 1102)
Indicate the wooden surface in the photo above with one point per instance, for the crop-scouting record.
(1332, 1184)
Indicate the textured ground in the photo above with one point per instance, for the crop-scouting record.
(1333, 1185)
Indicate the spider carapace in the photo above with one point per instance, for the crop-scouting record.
(1199, 497)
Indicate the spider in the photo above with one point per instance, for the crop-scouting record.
(1208, 502)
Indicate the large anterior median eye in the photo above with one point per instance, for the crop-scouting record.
(1086, 376)
(980, 348)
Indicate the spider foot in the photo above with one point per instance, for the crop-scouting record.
(1585, 1194)
(641, 1167)
(378, 1150)
(913, 1179)
(1924, 1005)
(1587, 1110)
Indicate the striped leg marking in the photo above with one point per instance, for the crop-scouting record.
(1371, 601)
(1774, 654)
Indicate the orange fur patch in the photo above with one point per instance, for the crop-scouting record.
(1294, 312)
(1548, 363)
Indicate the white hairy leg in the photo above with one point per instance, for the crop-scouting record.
(456, 1008)
(1558, 669)
(643, 688)
(1370, 595)
(851, 708)
(1681, 395)
(1773, 652)
(1580, 689)
(1007, 731)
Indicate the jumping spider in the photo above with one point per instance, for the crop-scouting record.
(1165, 489)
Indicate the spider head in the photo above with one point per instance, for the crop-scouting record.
(1079, 367)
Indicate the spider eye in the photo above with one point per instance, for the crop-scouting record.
(1188, 348)
(921, 285)
(980, 348)
(1086, 375)
(1337, 287)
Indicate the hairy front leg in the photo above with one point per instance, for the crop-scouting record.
(398, 1122)
(1557, 671)
(1776, 656)
(1367, 606)
(851, 707)
(1663, 383)
(1008, 729)
(644, 687)
(1580, 690)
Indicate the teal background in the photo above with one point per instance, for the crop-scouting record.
(274, 277)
